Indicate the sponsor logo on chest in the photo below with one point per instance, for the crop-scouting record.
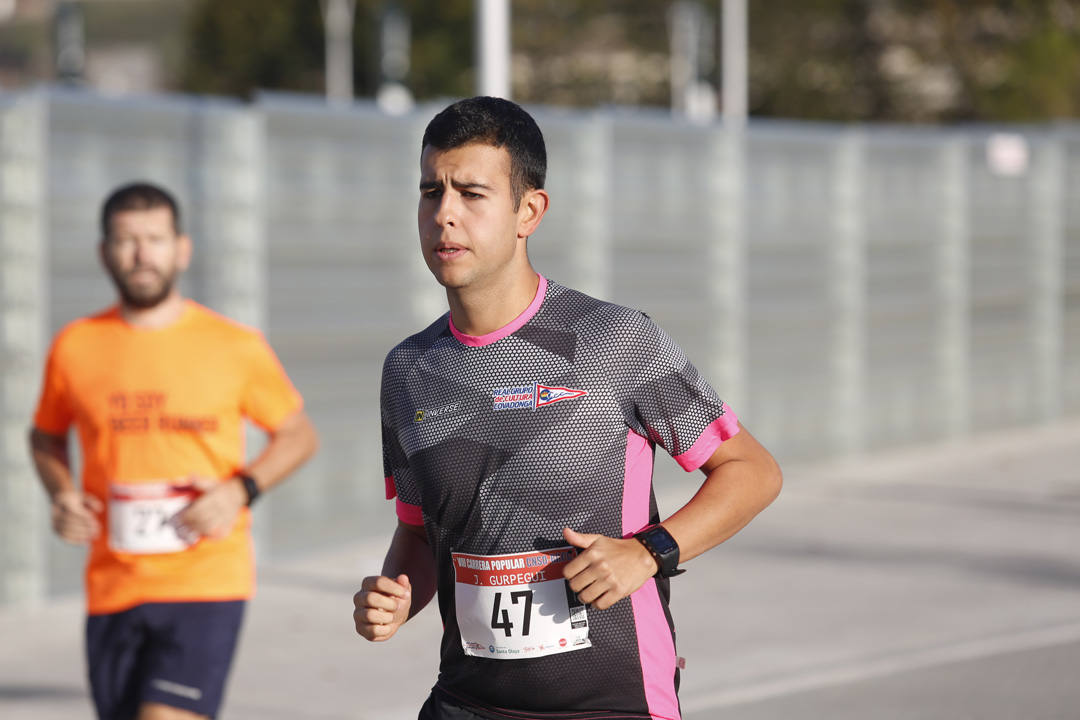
(531, 397)
(423, 414)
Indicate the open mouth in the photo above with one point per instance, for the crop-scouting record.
(448, 252)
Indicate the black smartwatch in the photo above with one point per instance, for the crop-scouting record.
(250, 487)
(663, 548)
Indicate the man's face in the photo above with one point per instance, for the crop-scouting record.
(466, 217)
(144, 255)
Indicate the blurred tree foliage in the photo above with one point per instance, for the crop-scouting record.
(442, 47)
(915, 60)
(239, 46)
(589, 52)
(882, 60)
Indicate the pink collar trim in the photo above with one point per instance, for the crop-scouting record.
(512, 327)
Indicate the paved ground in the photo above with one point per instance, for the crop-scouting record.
(930, 583)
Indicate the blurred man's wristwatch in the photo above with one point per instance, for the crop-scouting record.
(662, 547)
(250, 486)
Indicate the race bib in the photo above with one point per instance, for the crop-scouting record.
(516, 606)
(142, 517)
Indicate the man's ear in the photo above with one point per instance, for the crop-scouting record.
(183, 251)
(534, 203)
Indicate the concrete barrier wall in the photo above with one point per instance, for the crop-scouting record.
(844, 288)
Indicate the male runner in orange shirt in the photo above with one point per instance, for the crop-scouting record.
(158, 387)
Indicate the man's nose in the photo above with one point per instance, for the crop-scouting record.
(447, 213)
(141, 250)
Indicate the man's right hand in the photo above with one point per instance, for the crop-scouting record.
(381, 606)
(75, 516)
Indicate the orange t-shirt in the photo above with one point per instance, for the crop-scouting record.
(163, 405)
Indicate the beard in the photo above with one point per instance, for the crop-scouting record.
(142, 296)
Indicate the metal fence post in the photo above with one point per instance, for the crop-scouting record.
(23, 293)
(848, 296)
(229, 226)
(1047, 281)
(726, 230)
(592, 253)
(954, 289)
(229, 231)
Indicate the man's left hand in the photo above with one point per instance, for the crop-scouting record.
(607, 569)
(214, 512)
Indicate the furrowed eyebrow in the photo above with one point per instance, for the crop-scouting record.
(470, 185)
(437, 184)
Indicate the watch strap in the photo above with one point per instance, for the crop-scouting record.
(250, 487)
(666, 563)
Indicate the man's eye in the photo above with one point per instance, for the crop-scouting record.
(471, 195)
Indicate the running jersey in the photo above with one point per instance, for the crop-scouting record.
(152, 407)
(494, 444)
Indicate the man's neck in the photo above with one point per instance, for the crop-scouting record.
(162, 315)
(479, 311)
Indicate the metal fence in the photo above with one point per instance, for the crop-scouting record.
(845, 288)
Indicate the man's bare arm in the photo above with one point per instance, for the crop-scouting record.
(742, 478)
(407, 584)
(74, 515)
(289, 445)
(51, 459)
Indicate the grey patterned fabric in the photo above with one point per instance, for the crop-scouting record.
(502, 445)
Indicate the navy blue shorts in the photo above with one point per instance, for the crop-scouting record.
(176, 654)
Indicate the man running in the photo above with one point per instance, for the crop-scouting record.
(157, 388)
(518, 438)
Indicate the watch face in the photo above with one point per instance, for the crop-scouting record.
(662, 541)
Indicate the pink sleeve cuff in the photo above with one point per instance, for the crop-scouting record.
(410, 514)
(724, 427)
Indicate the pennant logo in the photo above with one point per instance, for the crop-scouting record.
(531, 397)
(549, 394)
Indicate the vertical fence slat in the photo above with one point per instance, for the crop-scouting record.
(592, 252)
(954, 289)
(848, 296)
(724, 232)
(23, 296)
(1047, 282)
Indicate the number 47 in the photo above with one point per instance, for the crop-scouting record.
(503, 623)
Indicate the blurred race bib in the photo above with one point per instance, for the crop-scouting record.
(142, 517)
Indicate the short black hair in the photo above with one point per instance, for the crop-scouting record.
(138, 196)
(498, 122)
